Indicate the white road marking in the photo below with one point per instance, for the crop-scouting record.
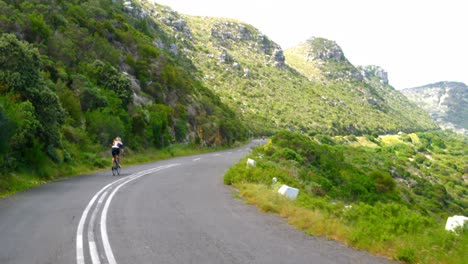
(197, 159)
(94, 253)
(104, 236)
(91, 241)
(80, 259)
(79, 231)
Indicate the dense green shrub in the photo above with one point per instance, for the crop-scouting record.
(20, 76)
(19, 65)
(159, 123)
(41, 31)
(287, 154)
(181, 131)
(104, 125)
(111, 79)
(383, 181)
(325, 139)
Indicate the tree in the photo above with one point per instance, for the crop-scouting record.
(19, 65)
(113, 80)
(20, 77)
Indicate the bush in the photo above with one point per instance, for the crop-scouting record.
(325, 139)
(158, 129)
(91, 97)
(103, 125)
(19, 129)
(181, 130)
(383, 182)
(20, 65)
(287, 154)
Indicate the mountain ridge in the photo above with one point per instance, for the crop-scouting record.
(260, 77)
(447, 103)
(156, 77)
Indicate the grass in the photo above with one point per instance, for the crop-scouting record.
(315, 216)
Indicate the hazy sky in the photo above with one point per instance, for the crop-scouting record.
(417, 42)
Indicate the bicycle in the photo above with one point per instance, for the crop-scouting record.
(115, 167)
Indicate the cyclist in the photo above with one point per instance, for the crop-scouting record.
(116, 146)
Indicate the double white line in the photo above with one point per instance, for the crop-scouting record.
(102, 196)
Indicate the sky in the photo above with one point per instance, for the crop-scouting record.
(417, 42)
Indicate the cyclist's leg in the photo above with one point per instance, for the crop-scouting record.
(114, 154)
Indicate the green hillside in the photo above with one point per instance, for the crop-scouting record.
(364, 90)
(271, 90)
(76, 74)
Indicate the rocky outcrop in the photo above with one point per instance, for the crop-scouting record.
(244, 33)
(178, 24)
(372, 71)
(229, 34)
(329, 57)
(323, 49)
(446, 102)
(278, 58)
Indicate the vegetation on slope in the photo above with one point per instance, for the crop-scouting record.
(362, 90)
(248, 71)
(75, 74)
(390, 195)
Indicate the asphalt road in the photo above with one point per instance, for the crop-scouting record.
(172, 211)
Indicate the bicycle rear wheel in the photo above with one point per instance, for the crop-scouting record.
(115, 168)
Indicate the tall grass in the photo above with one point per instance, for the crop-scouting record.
(383, 229)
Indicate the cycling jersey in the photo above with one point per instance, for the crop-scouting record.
(117, 144)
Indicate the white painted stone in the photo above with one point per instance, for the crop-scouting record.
(251, 162)
(274, 180)
(290, 192)
(455, 221)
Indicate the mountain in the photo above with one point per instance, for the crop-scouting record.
(272, 89)
(446, 102)
(365, 89)
(75, 74)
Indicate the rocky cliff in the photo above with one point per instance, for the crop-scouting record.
(446, 102)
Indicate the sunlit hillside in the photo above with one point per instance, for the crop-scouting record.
(272, 90)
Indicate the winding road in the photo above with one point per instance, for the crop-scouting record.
(171, 211)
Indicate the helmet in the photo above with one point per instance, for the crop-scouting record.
(118, 138)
